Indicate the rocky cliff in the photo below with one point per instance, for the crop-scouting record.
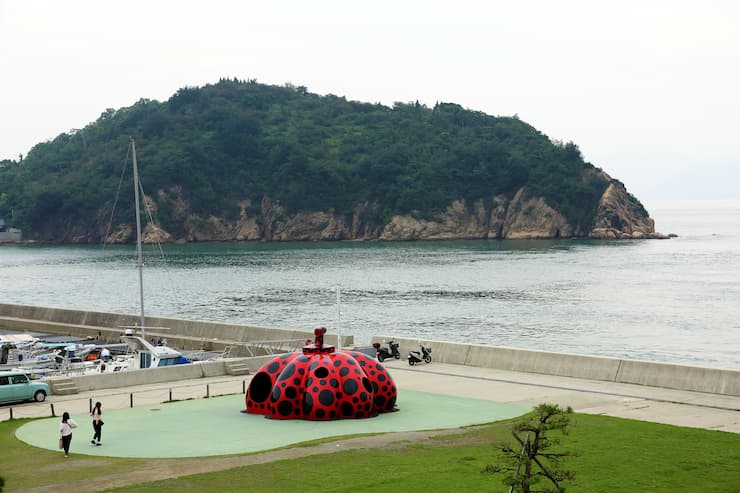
(618, 216)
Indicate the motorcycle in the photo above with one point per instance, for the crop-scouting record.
(384, 354)
(423, 354)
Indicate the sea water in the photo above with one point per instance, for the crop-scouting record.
(674, 300)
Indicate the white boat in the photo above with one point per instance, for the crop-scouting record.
(148, 355)
(40, 358)
(22, 352)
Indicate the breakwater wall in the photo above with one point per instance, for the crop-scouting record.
(192, 334)
(181, 333)
(666, 375)
(132, 378)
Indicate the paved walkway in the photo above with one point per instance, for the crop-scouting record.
(660, 405)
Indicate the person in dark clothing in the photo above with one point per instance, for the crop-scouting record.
(97, 422)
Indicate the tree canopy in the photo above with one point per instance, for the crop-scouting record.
(232, 141)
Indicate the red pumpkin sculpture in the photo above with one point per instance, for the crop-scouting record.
(321, 384)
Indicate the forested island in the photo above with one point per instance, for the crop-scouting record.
(240, 160)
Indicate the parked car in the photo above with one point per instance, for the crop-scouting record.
(16, 386)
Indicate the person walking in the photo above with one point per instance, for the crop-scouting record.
(97, 423)
(65, 428)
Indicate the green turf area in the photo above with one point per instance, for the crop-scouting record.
(614, 455)
(207, 427)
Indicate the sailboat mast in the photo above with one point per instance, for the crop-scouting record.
(139, 259)
(339, 323)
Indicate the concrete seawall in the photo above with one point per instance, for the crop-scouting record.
(191, 334)
(666, 375)
(184, 334)
(176, 373)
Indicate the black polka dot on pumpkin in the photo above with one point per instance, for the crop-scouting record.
(285, 408)
(287, 372)
(291, 392)
(347, 409)
(350, 386)
(326, 397)
(273, 367)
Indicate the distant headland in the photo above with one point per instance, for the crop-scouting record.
(239, 161)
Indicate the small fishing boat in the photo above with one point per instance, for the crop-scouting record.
(147, 355)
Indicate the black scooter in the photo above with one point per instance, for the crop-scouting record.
(384, 354)
(423, 354)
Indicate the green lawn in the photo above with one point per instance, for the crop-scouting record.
(614, 455)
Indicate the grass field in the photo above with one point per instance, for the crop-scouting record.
(614, 455)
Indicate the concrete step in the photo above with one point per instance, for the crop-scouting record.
(63, 386)
(236, 367)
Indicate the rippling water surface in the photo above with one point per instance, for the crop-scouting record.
(675, 300)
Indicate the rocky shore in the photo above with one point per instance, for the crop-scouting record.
(618, 216)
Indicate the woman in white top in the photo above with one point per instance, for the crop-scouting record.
(65, 428)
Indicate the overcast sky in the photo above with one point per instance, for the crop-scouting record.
(649, 90)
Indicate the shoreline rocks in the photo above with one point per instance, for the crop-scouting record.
(619, 216)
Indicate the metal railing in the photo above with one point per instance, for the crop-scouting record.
(279, 346)
(83, 403)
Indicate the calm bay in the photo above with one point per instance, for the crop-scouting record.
(674, 300)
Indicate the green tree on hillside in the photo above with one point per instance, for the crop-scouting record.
(234, 141)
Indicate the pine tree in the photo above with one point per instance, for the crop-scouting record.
(533, 463)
